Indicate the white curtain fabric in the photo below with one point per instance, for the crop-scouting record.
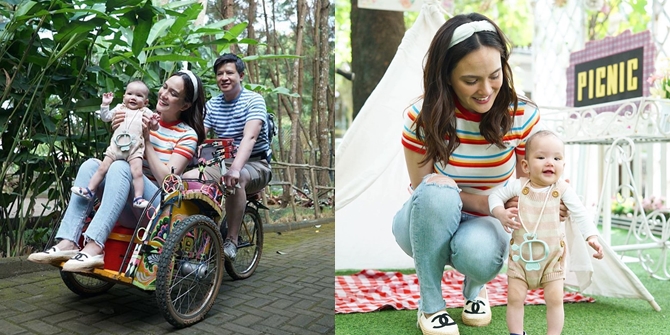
(372, 181)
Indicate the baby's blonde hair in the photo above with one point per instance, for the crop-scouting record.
(141, 82)
(540, 133)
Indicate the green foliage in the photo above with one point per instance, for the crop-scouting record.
(513, 17)
(617, 16)
(265, 89)
(342, 32)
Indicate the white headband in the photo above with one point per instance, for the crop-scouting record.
(468, 29)
(194, 80)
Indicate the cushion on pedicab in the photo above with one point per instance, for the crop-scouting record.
(209, 189)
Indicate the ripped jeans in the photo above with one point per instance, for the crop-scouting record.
(431, 229)
(116, 197)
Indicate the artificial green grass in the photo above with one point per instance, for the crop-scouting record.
(607, 316)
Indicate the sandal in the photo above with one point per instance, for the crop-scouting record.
(139, 202)
(83, 192)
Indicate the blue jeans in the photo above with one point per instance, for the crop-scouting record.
(431, 228)
(116, 199)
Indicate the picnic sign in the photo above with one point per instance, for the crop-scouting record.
(611, 69)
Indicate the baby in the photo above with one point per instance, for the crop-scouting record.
(127, 141)
(538, 250)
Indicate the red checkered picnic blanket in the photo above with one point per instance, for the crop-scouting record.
(371, 290)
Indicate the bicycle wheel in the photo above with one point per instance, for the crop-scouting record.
(249, 245)
(83, 285)
(190, 270)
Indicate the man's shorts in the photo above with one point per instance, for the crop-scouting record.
(258, 169)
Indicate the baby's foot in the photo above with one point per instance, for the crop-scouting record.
(139, 202)
(82, 192)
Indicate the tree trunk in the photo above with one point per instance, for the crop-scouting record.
(375, 37)
(295, 152)
(313, 139)
(254, 69)
(227, 11)
(283, 103)
(321, 85)
(331, 126)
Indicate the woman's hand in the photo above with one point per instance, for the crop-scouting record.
(563, 210)
(117, 120)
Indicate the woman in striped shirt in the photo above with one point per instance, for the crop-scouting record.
(181, 102)
(461, 140)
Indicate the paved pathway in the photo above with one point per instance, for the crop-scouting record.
(292, 292)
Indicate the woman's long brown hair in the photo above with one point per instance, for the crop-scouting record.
(194, 115)
(436, 123)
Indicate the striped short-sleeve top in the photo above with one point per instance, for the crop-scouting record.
(171, 138)
(476, 165)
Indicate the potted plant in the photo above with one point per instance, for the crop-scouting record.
(652, 207)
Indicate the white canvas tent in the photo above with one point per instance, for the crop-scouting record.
(372, 179)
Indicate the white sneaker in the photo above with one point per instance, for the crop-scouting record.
(477, 313)
(229, 249)
(440, 323)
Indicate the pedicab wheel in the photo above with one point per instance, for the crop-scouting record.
(249, 245)
(190, 270)
(83, 285)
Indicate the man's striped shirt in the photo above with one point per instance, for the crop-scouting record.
(227, 118)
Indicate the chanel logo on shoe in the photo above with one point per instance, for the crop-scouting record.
(79, 257)
(444, 321)
(475, 307)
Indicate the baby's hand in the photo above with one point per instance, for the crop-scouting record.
(514, 202)
(149, 123)
(153, 122)
(107, 98)
(593, 242)
(507, 217)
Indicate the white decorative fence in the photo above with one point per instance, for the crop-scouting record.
(621, 148)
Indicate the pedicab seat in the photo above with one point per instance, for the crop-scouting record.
(116, 246)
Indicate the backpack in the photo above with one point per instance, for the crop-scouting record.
(272, 131)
